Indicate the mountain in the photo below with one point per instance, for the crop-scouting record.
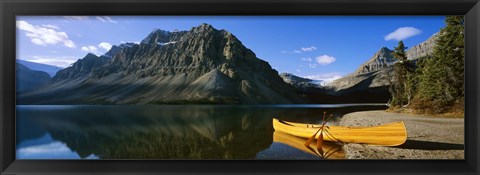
(422, 49)
(369, 83)
(202, 65)
(300, 82)
(117, 49)
(27, 79)
(82, 68)
(375, 72)
(51, 70)
(372, 79)
(380, 60)
(378, 67)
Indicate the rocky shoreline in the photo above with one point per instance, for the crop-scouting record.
(427, 137)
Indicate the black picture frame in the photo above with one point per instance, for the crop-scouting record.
(10, 8)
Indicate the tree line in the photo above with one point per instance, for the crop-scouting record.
(434, 83)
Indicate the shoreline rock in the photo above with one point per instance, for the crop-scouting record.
(427, 137)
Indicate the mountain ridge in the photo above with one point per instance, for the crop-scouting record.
(51, 70)
(27, 78)
(203, 64)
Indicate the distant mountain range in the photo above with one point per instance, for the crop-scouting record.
(370, 82)
(27, 79)
(51, 70)
(202, 65)
(300, 82)
(377, 71)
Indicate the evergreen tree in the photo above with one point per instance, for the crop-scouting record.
(399, 87)
(442, 79)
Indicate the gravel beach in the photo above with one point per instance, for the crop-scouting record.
(427, 137)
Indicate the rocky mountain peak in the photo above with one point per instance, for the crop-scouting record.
(81, 68)
(381, 59)
(90, 56)
(423, 49)
(113, 51)
(205, 31)
(384, 50)
(157, 35)
(203, 27)
(118, 49)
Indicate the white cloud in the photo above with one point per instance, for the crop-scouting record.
(105, 45)
(402, 33)
(106, 19)
(313, 65)
(325, 59)
(45, 35)
(92, 49)
(308, 59)
(304, 49)
(64, 61)
(291, 52)
(308, 49)
(51, 26)
(76, 17)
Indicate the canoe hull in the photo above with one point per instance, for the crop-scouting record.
(392, 134)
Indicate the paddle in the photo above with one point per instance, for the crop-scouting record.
(320, 138)
(310, 140)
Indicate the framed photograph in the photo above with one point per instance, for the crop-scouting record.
(239, 87)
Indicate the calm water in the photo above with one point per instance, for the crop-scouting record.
(166, 131)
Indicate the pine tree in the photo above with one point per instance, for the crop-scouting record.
(399, 87)
(442, 79)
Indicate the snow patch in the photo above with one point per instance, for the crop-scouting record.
(167, 43)
(324, 79)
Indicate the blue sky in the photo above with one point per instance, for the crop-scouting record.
(318, 47)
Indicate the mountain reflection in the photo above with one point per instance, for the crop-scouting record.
(47, 148)
(155, 131)
(152, 132)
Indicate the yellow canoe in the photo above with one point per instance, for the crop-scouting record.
(329, 150)
(392, 134)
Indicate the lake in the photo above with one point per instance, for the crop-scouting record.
(169, 131)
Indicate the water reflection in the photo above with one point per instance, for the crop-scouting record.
(47, 148)
(158, 131)
(329, 150)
